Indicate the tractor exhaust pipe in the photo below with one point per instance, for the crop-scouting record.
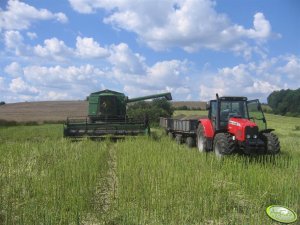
(218, 112)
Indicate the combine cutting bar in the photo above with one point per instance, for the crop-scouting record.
(83, 128)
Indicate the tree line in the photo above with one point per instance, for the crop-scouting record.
(285, 102)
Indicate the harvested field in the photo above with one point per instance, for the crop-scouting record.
(53, 111)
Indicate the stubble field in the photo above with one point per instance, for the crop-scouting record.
(45, 179)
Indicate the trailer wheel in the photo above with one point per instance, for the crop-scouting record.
(178, 139)
(171, 136)
(223, 144)
(272, 143)
(190, 142)
(201, 140)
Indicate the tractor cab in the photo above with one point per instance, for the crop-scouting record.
(223, 109)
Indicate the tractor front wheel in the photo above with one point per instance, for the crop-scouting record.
(223, 144)
(272, 143)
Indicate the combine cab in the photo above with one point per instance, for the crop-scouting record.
(107, 116)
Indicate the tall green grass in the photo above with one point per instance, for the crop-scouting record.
(163, 183)
(45, 179)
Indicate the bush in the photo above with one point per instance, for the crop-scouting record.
(2, 103)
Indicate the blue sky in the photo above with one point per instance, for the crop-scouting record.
(192, 48)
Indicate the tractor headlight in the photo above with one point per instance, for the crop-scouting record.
(254, 136)
(248, 136)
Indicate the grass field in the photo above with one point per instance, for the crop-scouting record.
(45, 179)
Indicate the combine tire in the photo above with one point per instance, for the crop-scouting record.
(272, 143)
(201, 140)
(223, 144)
(190, 142)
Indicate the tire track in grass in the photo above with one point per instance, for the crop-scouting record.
(104, 202)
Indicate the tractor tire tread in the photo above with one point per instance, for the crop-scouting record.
(272, 143)
(226, 144)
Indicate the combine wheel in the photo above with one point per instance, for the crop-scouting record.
(223, 144)
(201, 140)
(272, 143)
(190, 142)
(178, 139)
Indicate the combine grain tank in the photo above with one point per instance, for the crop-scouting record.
(107, 116)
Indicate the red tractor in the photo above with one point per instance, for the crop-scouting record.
(235, 124)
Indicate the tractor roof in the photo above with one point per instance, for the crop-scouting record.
(233, 98)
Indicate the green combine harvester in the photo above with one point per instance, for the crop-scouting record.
(107, 117)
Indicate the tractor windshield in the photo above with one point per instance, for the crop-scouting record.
(230, 109)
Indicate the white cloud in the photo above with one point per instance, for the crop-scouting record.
(19, 16)
(58, 76)
(292, 68)
(13, 40)
(31, 35)
(88, 48)
(254, 80)
(188, 24)
(2, 84)
(14, 69)
(123, 59)
(53, 48)
(18, 85)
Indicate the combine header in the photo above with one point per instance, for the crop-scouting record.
(107, 116)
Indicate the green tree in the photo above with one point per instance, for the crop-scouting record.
(285, 102)
(153, 110)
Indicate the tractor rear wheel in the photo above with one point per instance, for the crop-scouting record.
(190, 142)
(201, 140)
(272, 143)
(223, 144)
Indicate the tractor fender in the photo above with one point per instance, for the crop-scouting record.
(207, 127)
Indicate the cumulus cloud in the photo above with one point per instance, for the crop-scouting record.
(19, 16)
(14, 69)
(89, 48)
(31, 35)
(255, 80)
(126, 61)
(53, 48)
(13, 41)
(188, 24)
(18, 85)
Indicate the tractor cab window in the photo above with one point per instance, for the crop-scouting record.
(229, 109)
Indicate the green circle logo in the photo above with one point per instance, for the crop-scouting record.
(281, 214)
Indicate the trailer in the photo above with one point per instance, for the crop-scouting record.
(183, 130)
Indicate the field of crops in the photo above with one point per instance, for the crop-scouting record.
(45, 179)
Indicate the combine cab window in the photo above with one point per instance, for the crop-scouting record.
(256, 114)
(231, 109)
(108, 105)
